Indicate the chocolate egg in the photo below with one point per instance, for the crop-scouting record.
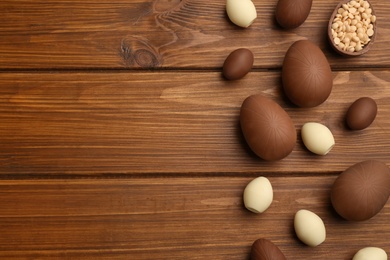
(361, 191)
(263, 249)
(306, 74)
(238, 64)
(292, 13)
(361, 113)
(267, 128)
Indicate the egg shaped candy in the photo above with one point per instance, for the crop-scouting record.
(309, 227)
(317, 138)
(258, 195)
(267, 128)
(237, 64)
(241, 12)
(263, 249)
(306, 74)
(361, 113)
(361, 191)
(292, 13)
(374, 253)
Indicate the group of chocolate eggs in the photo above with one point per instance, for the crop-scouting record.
(358, 193)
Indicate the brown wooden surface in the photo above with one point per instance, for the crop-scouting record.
(119, 138)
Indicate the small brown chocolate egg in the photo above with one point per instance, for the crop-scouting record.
(263, 249)
(361, 113)
(237, 64)
(292, 13)
(267, 128)
(361, 191)
(306, 74)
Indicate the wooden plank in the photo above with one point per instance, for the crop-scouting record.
(160, 34)
(170, 123)
(171, 218)
(103, 159)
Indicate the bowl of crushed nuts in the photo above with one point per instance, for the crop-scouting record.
(352, 27)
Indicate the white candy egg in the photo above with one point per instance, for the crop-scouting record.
(317, 138)
(309, 227)
(241, 12)
(370, 253)
(258, 195)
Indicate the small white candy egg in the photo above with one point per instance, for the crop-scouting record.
(317, 138)
(309, 227)
(370, 253)
(258, 195)
(241, 12)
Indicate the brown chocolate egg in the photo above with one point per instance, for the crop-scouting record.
(292, 13)
(361, 191)
(267, 128)
(238, 64)
(306, 74)
(263, 249)
(361, 113)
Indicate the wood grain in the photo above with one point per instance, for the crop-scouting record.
(173, 218)
(160, 34)
(120, 139)
(170, 123)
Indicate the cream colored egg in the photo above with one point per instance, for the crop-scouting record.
(309, 227)
(241, 12)
(370, 253)
(317, 138)
(258, 195)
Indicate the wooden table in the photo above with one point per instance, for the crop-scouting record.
(120, 138)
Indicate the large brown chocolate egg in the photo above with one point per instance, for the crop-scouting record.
(361, 113)
(263, 249)
(361, 191)
(292, 13)
(306, 74)
(267, 128)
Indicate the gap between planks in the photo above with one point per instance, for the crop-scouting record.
(94, 70)
(173, 175)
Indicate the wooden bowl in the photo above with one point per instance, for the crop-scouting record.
(346, 52)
